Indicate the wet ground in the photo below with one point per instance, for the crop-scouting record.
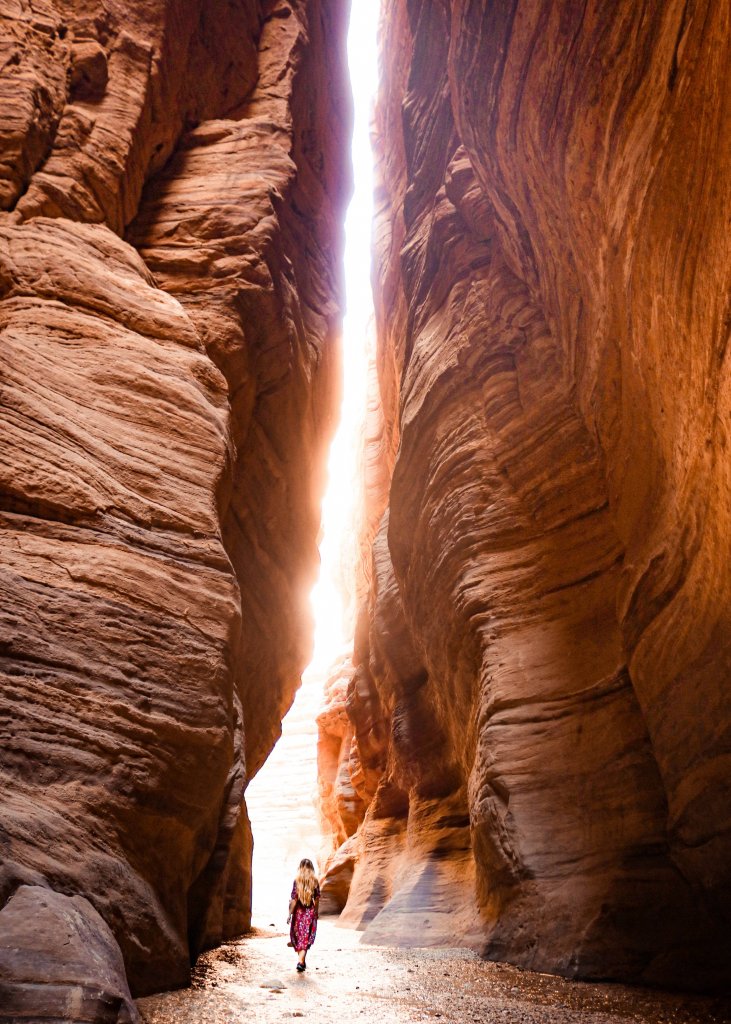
(254, 978)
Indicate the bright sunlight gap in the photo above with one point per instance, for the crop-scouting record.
(281, 799)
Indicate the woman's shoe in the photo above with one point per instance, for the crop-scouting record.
(300, 967)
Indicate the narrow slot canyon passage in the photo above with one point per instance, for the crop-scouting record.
(364, 497)
(281, 799)
(348, 981)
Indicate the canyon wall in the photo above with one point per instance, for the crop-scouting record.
(172, 177)
(547, 638)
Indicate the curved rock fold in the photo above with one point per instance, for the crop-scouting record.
(546, 630)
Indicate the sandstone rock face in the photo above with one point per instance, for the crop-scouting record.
(548, 629)
(351, 756)
(56, 952)
(340, 805)
(173, 175)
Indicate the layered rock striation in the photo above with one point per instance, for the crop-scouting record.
(547, 633)
(173, 178)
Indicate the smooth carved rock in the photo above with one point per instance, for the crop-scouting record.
(337, 877)
(59, 961)
(164, 414)
(119, 603)
(550, 598)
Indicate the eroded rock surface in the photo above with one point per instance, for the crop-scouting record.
(173, 176)
(548, 624)
(57, 953)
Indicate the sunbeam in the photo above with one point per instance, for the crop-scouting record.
(281, 799)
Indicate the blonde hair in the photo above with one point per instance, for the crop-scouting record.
(305, 882)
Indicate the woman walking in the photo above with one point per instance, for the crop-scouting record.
(303, 905)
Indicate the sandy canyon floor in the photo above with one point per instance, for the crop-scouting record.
(254, 978)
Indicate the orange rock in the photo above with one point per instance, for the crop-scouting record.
(174, 176)
(549, 606)
(89, 72)
(341, 807)
(51, 947)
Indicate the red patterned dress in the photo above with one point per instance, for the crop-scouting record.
(303, 927)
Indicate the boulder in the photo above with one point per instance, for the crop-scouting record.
(60, 962)
(547, 623)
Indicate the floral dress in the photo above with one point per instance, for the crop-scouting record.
(303, 927)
